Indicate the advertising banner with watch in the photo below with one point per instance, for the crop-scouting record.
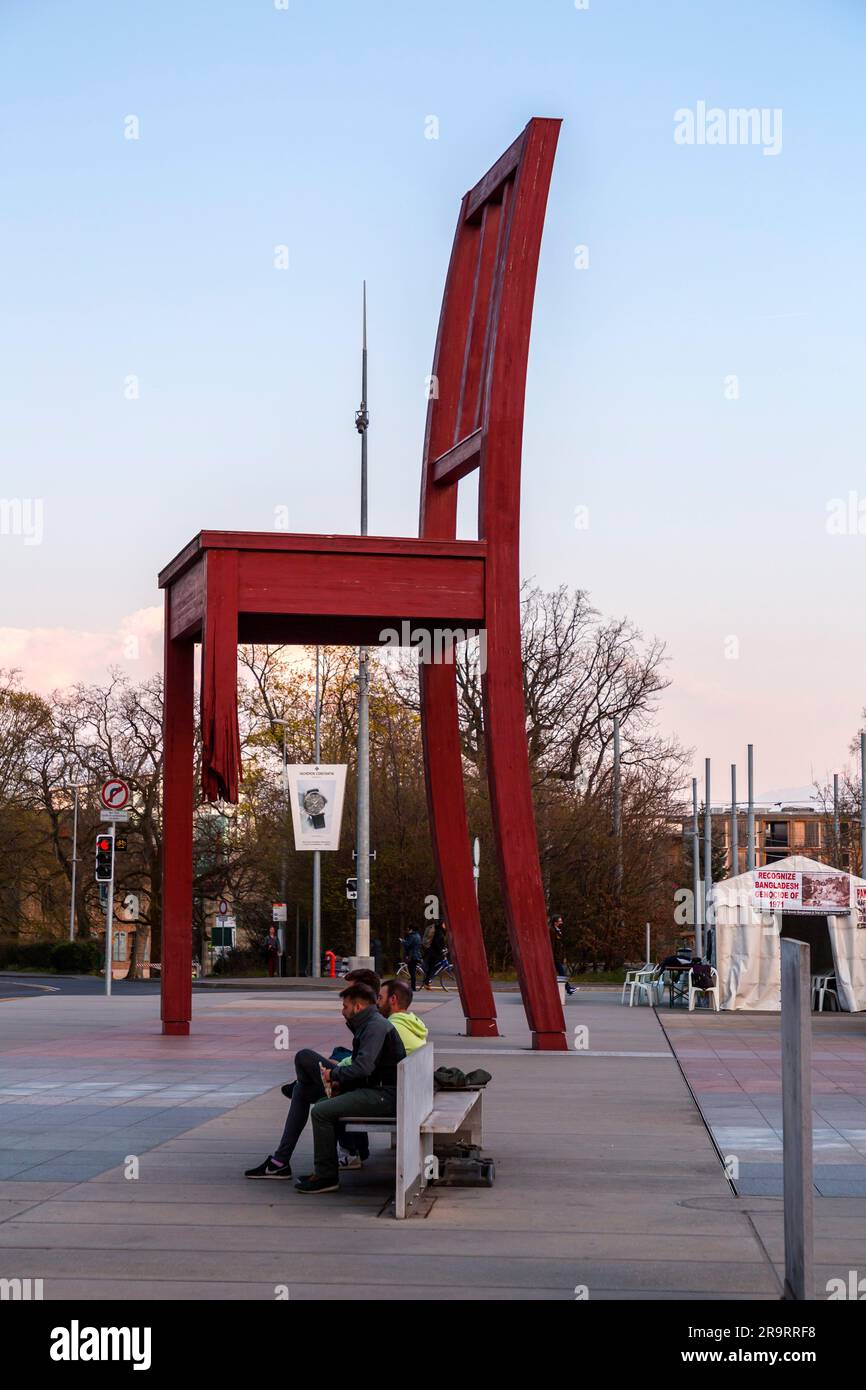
(316, 796)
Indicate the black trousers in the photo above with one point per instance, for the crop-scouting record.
(308, 1089)
(432, 958)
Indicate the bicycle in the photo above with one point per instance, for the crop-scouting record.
(443, 971)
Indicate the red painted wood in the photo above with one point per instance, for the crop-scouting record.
(480, 367)
(221, 745)
(443, 759)
(411, 586)
(188, 601)
(458, 462)
(498, 522)
(245, 541)
(176, 986)
(490, 185)
(478, 336)
(301, 630)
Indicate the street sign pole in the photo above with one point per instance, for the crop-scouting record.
(109, 919)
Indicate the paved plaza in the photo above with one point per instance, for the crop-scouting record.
(608, 1183)
(732, 1062)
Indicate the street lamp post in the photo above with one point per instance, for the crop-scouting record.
(317, 854)
(362, 905)
(284, 873)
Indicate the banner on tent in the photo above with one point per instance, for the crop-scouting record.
(793, 890)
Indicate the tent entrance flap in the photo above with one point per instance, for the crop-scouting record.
(812, 928)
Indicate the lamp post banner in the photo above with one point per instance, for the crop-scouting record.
(316, 793)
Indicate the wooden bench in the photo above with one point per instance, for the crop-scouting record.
(422, 1116)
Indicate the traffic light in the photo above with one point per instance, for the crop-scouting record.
(104, 858)
(351, 888)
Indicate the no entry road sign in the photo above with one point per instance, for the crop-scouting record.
(114, 794)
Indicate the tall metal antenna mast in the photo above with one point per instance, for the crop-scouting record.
(362, 850)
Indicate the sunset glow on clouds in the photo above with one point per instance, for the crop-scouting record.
(54, 658)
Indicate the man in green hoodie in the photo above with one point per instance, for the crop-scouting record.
(395, 996)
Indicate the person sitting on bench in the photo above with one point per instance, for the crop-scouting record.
(366, 1085)
(376, 1051)
(277, 1165)
(395, 996)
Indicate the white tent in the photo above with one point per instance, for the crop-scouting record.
(747, 939)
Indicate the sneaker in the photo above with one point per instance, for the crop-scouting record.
(347, 1160)
(313, 1183)
(270, 1169)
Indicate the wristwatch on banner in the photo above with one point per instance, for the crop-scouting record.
(314, 805)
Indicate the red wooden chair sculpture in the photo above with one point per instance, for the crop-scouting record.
(231, 587)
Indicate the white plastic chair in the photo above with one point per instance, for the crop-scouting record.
(631, 976)
(711, 990)
(636, 981)
(651, 983)
(822, 985)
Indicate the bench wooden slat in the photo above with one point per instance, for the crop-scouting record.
(449, 1112)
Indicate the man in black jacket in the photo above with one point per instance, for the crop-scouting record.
(367, 1085)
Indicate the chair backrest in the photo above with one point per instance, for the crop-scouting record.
(479, 366)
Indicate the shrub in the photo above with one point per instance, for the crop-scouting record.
(235, 962)
(82, 957)
(33, 955)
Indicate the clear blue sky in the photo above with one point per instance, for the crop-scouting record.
(306, 127)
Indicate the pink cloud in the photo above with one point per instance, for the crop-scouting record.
(53, 658)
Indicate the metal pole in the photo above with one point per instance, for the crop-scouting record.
(74, 865)
(862, 805)
(696, 859)
(708, 856)
(750, 817)
(836, 849)
(109, 919)
(617, 819)
(283, 879)
(735, 845)
(648, 956)
(797, 1119)
(362, 906)
(317, 855)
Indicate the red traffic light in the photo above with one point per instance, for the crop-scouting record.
(104, 858)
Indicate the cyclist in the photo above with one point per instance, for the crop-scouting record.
(411, 944)
(434, 946)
